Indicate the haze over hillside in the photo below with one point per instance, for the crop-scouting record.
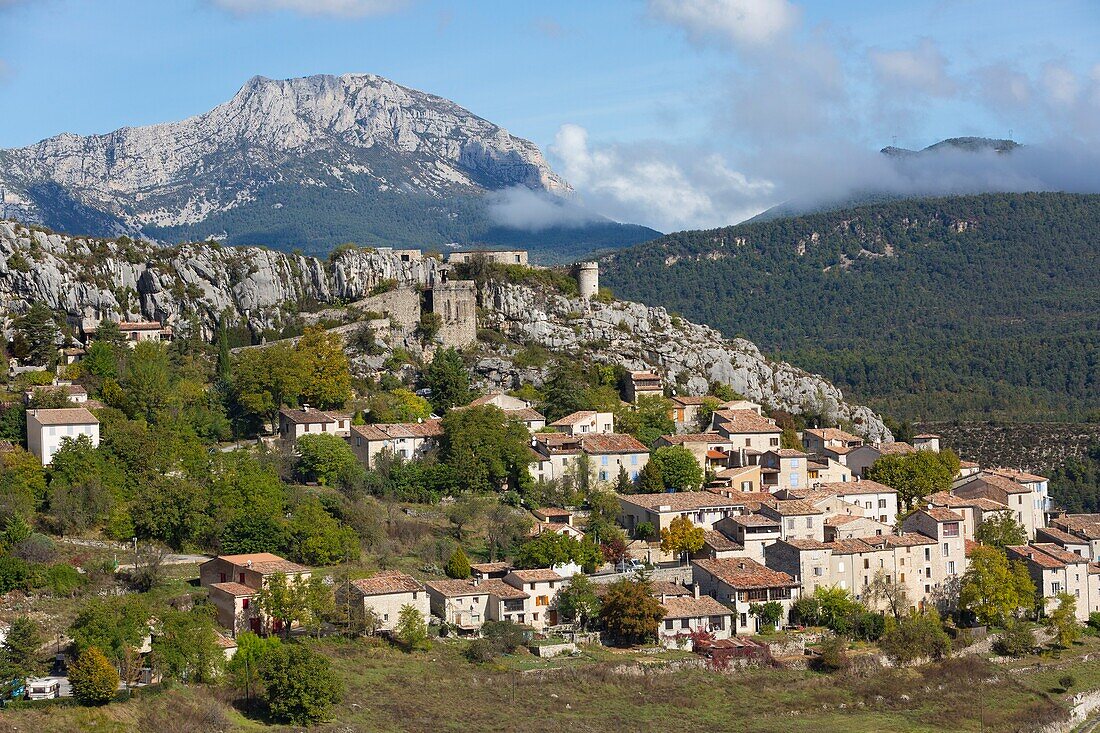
(310, 163)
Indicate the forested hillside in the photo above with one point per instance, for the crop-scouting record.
(948, 308)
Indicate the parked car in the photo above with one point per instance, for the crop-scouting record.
(630, 565)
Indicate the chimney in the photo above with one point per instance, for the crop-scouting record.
(476, 580)
(741, 565)
(695, 590)
(305, 407)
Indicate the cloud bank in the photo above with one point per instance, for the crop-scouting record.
(520, 207)
(791, 118)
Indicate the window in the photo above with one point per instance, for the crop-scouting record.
(603, 460)
(866, 564)
(684, 623)
(668, 625)
(794, 479)
(950, 567)
(634, 460)
(774, 441)
(840, 567)
(951, 529)
(1055, 588)
(927, 554)
(603, 475)
(744, 619)
(385, 617)
(244, 602)
(241, 579)
(748, 442)
(881, 503)
(809, 522)
(901, 577)
(221, 577)
(542, 600)
(946, 549)
(790, 524)
(818, 572)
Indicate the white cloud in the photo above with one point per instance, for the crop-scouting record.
(658, 185)
(736, 22)
(921, 69)
(337, 8)
(520, 207)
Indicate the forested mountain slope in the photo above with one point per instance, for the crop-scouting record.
(960, 307)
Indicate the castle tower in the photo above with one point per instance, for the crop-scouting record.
(588, 279)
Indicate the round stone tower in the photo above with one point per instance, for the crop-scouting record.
(588, 279)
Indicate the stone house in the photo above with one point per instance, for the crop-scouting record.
(1066, 540)
(1084, 527)
(946, 528)
(514, 408)
(1055, 570)
(233, 581)
(385, 594)
(584, 422)
(555, 455)
(703, 508)
(797, 518)
(832, 442)
(738, 479)
(294, 424)
(710, 450)
(522, 596)
(47, 429)
(643, 384)
(826, 470)
(753, 532)
(878, 501)
(740, 582)
(686, 412)
(747, 430)
(74, 393)
(405, 440)
(851, 526)
(497, 256)
(687, 614)
(1020, 499)
(783, 468)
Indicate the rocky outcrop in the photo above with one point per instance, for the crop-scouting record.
(89, 279)
(686, 354)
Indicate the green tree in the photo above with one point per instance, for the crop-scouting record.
(93, 677)
(577, 601)
(647, 420)
(1017, 639)
(22, 646)
(114, 625)
(769, 614)
(505, 526)
(486, 450)
(315, 537)
(101, 361)
(834, 606)
(400, 405)
(623, 484)
(1061, 620)
(147, 381)
(170, 509)
(915, 475)
(107, 332)
(554, 548)
(185, 646)
(37, 333)
(411, 631)
(253, 533)
(326, 459)
(449, 381)
(681, 537)
(678, 467)
(630, 613)
(991, 589)
(650, 480)
(916, 636)
(458, 566)
(283, 599)
(267, 379)
(22, 484)
(243, 669)
(1001, 531)
(327, 373)
(565, 391)
(63, 580)
(299, 684)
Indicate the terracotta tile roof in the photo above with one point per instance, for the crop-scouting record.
(744, 574)
(680, 501)
(794, 508)
(897, 448)
(574, 418)
(864, 486)
(949, 500)
(754, 520)
(926, 436)
(832, 434)
(688, 400)
(432, 428)
(1087, 525)
(708, 438)
(990, 481)
(502, 590)
(388, 582)
(942, 514)
(719, 542)
(552, 511)
(968, 464)
(237, 590)
(805, 545)
(667, 588)
(736, 471)
(224, 641)
(525, 414)
(692, 607)
(539, 575)
(839, 520)
(1042, 559)
(307, 417)
(746, 421)
(1058, 535)
(850, 547)
(716, 454)
(644, 375)
(487, 399)
(459, 588)
(1059, 553)
(1017, 476)
(906, 539)
(264, 563)
(968, 547)
(598, 443)
(788, 453)
(140, 326)
(64, 416)
(491, 567)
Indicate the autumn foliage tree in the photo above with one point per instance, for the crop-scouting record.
(630, 613)
(93, 678)
(681, 537)
(992, 589)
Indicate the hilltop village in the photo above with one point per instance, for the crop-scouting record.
(332, 483)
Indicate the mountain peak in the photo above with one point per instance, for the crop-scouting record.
(965, 144)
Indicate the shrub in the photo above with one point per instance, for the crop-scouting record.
(411, 630)
(917, 636)
(299, 684)
(1017, 640)
(832, 655)
(93, 678)
(458, 566)
(505, 636)
(63, 580)
(479, 651)
(1066, 681)
(645, 531)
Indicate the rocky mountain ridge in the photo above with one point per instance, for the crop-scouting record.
(289, 163)
(267, 290)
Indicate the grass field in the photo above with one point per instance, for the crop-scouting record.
(438, 690)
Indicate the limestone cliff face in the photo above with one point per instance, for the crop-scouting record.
(90, 278)
(684, 353)
(338, 134)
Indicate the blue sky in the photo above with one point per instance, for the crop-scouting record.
(712, 103)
